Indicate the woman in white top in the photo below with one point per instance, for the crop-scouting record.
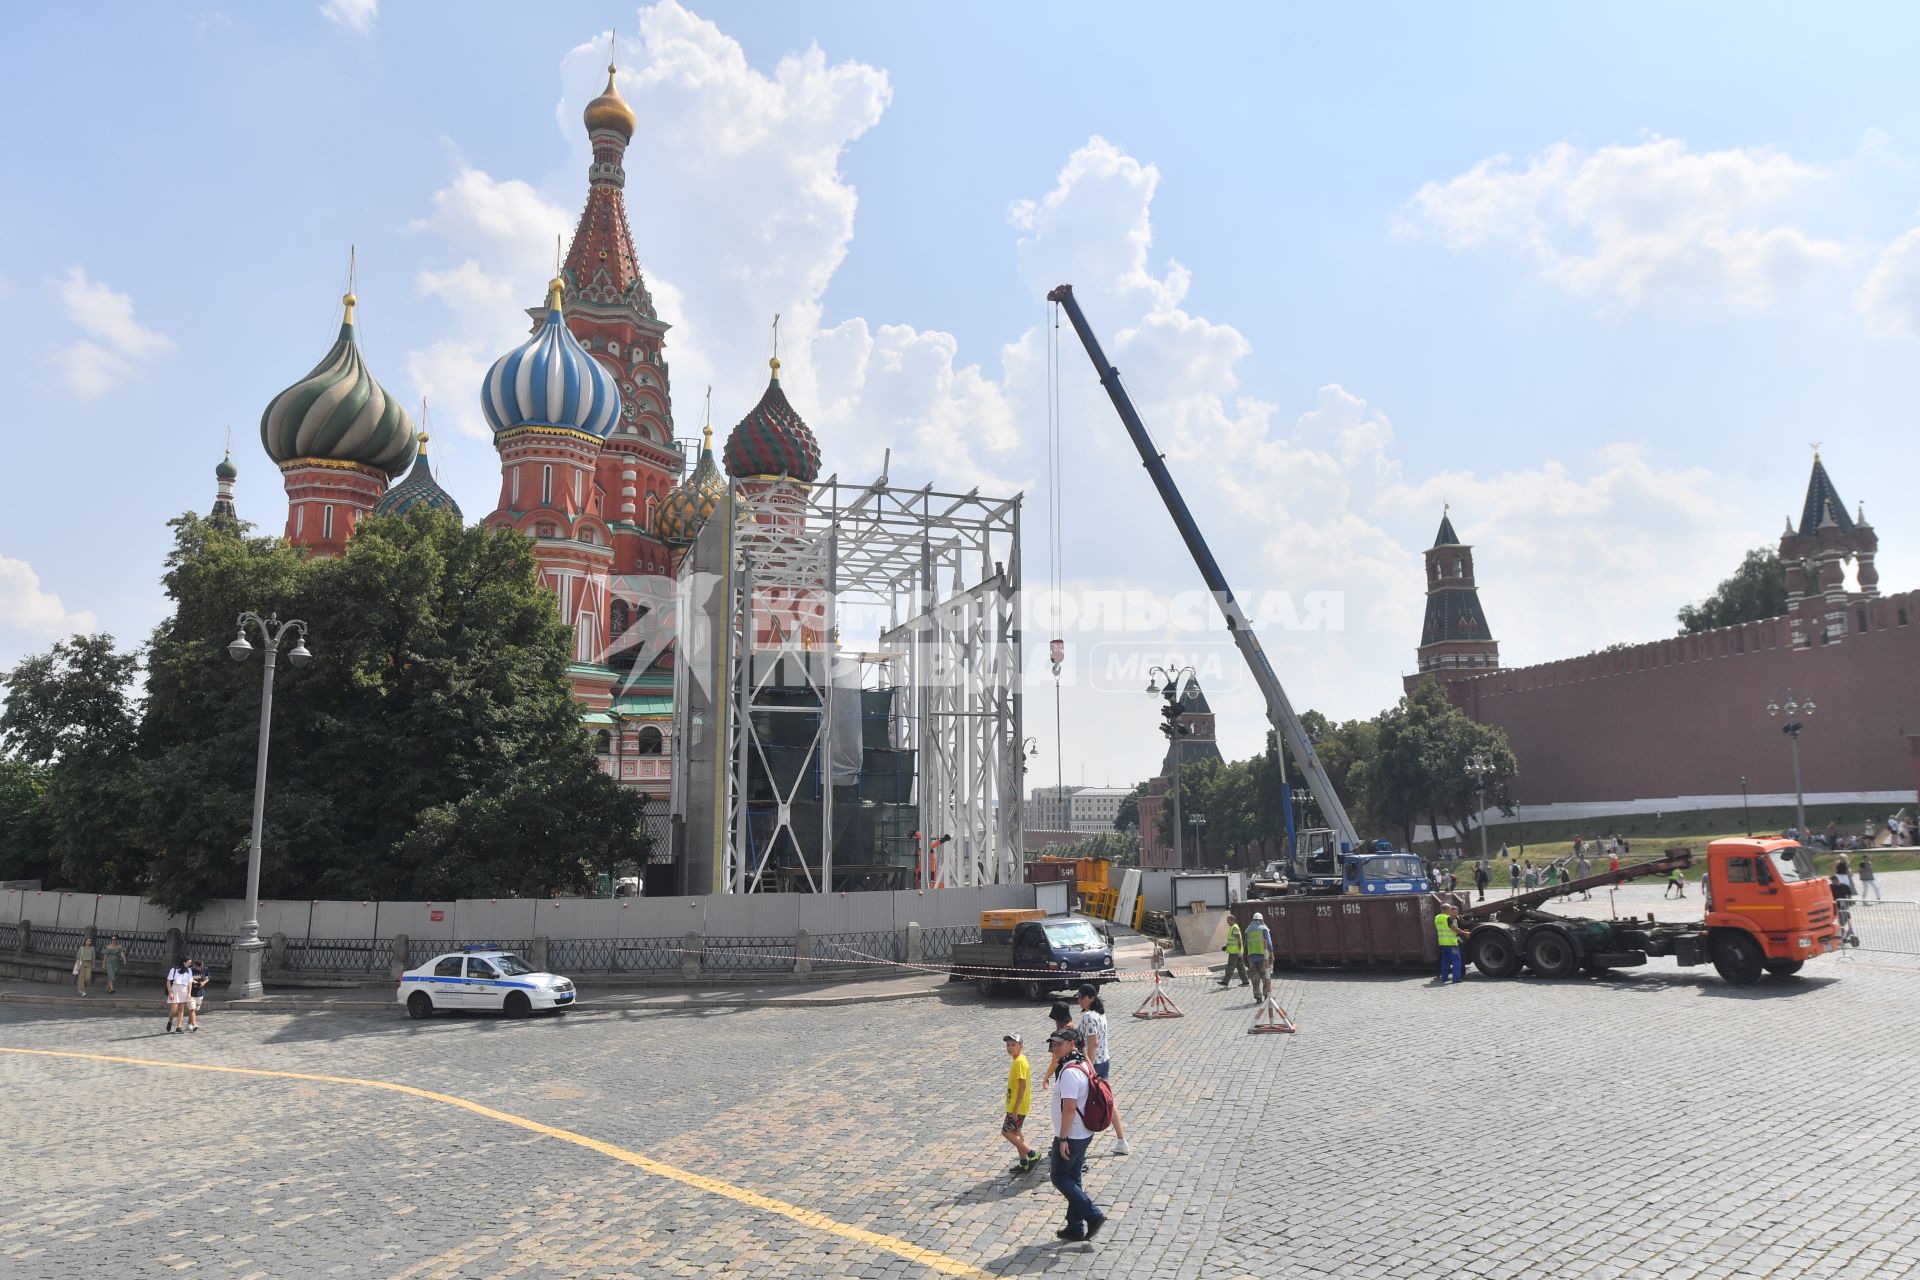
(1093, 1029)
(179, 993)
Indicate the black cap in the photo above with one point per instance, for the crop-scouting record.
(1088, 989)
(1060, 1012)
(1065, 1035)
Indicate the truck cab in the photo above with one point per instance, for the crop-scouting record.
(1767, 908)
(1383, 872)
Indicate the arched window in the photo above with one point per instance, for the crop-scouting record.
(546, 486)
(586, 534)
(603, 742)
(514, 483)
(326, 524)
(300, 520)
(651, 742)
(577, 476)
(618, 617)
(651, 503)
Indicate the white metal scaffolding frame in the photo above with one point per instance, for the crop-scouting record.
(833, 588)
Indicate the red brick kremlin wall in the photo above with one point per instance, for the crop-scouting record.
(1687, 716)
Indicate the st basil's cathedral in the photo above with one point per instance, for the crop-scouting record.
(582, 418)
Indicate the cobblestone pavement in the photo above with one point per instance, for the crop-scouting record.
(1658, 1124)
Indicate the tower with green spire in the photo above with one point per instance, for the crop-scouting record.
(1815, 554)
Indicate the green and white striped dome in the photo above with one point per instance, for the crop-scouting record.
(338, 413)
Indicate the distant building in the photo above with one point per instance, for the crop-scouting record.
(1156, 850)
(1083, 810)
(1684, 719)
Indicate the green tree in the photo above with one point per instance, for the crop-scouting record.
(24, 852)
(1757, 589)
(430, 746)
(1127, 816)
(71, 723)
(1122, 847)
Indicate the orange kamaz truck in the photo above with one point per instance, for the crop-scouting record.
(1768, 911)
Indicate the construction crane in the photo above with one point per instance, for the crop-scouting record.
(1279, 710)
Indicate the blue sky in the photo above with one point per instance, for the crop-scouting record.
(1595, 276)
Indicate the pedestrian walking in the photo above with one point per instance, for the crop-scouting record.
(1480, 878)
(1845, 874)
(1098, 1050)
(179, 992)
(1513, 877)
(1068, 1154)
(1236, 955)
(1260, 957)
(1867, 883)
(1566, 876)
(1062, 1019)
(1613, 864)
(197, 993)
(115, 956)
(83, 961)
(1019, 1102)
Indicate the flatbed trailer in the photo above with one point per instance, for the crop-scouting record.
(1767, 912)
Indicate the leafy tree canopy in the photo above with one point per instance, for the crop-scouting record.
(430, 746)
(1757, 589)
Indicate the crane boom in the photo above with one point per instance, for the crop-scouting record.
(1279, 710)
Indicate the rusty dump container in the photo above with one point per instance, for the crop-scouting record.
(1354, 932)
(1042, 872)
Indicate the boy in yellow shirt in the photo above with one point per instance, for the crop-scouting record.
(1019, 1102)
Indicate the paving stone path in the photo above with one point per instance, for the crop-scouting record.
(1658, 1124)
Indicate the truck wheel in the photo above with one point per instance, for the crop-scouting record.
(1785, 968)
(1036, 990)
(1550, 954)
(420, 1005)
(984, 986)
(1737, 957)
(1493, 953)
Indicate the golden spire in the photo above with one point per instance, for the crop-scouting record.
(774, 363)
(609, 110)
(423, 426)
(706, 432)
(347, 300)
(555, 287)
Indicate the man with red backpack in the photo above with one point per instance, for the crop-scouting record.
(1082, 1106)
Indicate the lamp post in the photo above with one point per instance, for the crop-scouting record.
(1794, 708)
(1479, 768)
(1198, 821)
(1174, 731)
(246, 951)
(1746, 813)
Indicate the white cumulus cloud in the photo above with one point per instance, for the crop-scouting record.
(1639, 222)
(116, 345)
(354, 15)
(29, 612)
(1889, 298)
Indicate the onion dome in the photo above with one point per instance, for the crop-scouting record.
(684, 512)
(225, 470)
(773, 440)
(550, 382)
(339, 414)
(610, 111)
(419, 489)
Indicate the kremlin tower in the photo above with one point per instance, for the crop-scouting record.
(1455, 642)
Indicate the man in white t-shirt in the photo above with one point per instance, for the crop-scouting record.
(179, 993)
(1068, 1151)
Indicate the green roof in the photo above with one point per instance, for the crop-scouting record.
(644, 706)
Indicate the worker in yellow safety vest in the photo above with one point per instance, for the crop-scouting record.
(1236, 955)
(1259, 954)
(1451, 969)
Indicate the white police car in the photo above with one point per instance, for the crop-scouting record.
(482, 978)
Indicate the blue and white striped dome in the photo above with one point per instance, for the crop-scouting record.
(551, 381)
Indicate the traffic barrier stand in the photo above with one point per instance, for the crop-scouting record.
(1157, 1004)
(1270, 1017)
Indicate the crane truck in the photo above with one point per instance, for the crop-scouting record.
(1280, 710)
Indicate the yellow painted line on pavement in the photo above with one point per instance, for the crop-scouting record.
(928, 1258)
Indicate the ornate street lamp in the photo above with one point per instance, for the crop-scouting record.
(246, 951)
(1174, 731)
(1794, 708)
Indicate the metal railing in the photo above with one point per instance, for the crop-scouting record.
(1890, 926)
(339, 955)
(770, 955)
(614, 955)
(937, 943)
(855, 950)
